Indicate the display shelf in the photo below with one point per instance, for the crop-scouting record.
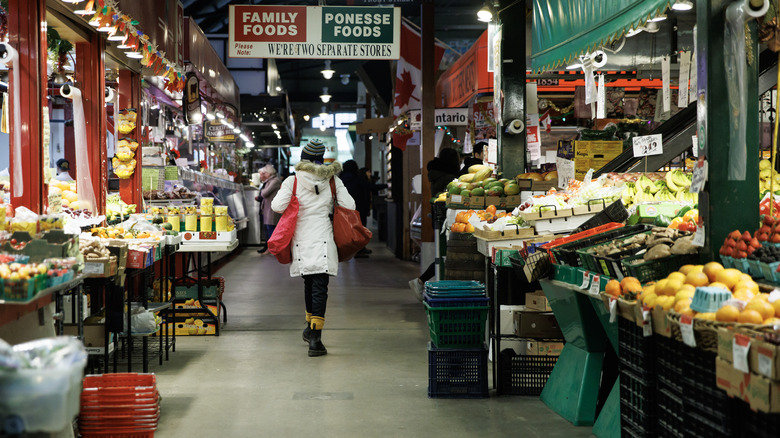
(48, 291)
(209, 247)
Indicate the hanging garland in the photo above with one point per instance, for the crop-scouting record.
(58, 48)
(108, 15)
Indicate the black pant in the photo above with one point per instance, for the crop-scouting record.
(429, 273)
(316, 288)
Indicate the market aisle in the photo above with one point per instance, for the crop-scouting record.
(257, 380)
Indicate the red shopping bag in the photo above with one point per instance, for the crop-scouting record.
(348, 231)
(280, 243)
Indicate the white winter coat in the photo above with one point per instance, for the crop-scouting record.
(313, 251)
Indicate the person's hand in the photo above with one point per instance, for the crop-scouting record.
(258, 198)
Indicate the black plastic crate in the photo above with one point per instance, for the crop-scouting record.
(708, 411)
(566, 254)
(615, 212)
(457, 373)
(634, 423)
(757, 424)
(637, 392)
(523, 374)
(670, 413)
(636, 351)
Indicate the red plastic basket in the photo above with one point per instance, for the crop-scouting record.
(125, 405)
(129, 433)
(121, 380)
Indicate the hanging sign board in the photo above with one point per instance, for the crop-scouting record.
(443, 117)
(314, 32)
(648, 145)
(192, 112)
(216, 131)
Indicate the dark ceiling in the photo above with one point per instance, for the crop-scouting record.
(455, 24)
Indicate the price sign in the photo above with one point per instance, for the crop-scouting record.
(647, 324)
(765, 364)
(595, 285)
(648, 145)
(612, 310)
(695, 148)
(93, 268)
(699, 176)
(585, 280)
(565, 171)
(686, 329)
(700, 236)
(740, 348)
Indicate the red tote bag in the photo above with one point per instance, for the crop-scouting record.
(348, 230)
(280, 243)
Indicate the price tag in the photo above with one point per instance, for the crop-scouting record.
(612, 310)
(456, 198)
(648, 145)
(93, 268)
(740, 348)
(595, 285)
(699, 176)
(565, 171)
(647, 324)
(695, 143)
(585, 280)
(666, 78)
(682, 93)
(699, 237)
(693, 90)
(686, 328)
(765, 364)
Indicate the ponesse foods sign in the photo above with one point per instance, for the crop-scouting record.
(314, 32)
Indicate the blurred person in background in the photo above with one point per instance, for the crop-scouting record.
(270, 184)
(475, 158)
(63, 170)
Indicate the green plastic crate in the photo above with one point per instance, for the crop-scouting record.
(457, 327)
(22, 290)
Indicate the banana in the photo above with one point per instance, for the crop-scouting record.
(681, 179)
(670, 182)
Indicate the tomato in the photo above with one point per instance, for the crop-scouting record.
(688, 226)
(676, 222)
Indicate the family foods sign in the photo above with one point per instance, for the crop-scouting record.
(314, 32)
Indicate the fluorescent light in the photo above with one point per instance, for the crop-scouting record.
(220, 115)
(237, 130)
(83, 12)
(116, 37)
(210, 116)
(682, 5)
(73, 2)
(108, 28)
(134, 55)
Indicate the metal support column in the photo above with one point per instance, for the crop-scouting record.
(511, 147)
(728, 203)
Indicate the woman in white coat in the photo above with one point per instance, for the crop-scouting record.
(314, 253)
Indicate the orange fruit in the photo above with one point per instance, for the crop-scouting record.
(764, 308)
(748, 316)
(745, 277)
(460, 217)
(772, 321)
(491, 209)
(712, 269)
(719, 285)
(763, 297)
(727, 313)
(776, 305)
(660, 287)
(743, 294)
(749, 284)
(683, 294)
(667, 304)
(626, 280)
(647, 290)
(672, 287)
(676, 276)
(649, 300)
(730, 277)
(613, 288)
(706, 315)
(697, 279)
(688, 311)
(469, 228)
(687, 269)
(680, 305)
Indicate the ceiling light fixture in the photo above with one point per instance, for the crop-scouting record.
(237, 130)
(328, 72)
(117, 37)
(83, 12)
(661, 17)
(260, 119)
(94, 22)
(576, 65)
(325, 97)
(652, 27)
(306, 117)
(220, 115)
(210, 116)
(345, 79)
(273, 125)
(634, 32)
(682, 5)
(134, 55)
(109, 28)
(485, 14)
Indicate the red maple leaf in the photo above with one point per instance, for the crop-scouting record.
(404, 90)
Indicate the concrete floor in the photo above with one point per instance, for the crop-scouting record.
(256, 380)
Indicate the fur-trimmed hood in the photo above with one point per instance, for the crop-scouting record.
(315, 177)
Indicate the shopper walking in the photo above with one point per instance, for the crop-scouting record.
(314, 253)
(271, 184)
(441, 170)
(359, 188)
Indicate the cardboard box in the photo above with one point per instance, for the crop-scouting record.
(512, 201)
(137, 259)
(537, 301)
(192, 320)
(762, 394)
(501, 256)
(543, 348)
(460, 201)
(661, 325)
(533, 185)
(105, 267)
(540, 325)
(508, 320)
(68, 305)
(497, 201)
(182, 292)
(94, 337)
(120, 250)
(763, 357)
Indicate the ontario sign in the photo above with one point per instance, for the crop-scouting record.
(314, 32)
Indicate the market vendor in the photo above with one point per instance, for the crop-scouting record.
(63, 168)
(475, 158)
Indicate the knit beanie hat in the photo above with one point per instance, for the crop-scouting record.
(314, 151)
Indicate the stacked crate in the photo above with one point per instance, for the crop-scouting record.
(457, 356)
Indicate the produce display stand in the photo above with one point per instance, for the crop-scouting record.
(573, 387)
(193, 256)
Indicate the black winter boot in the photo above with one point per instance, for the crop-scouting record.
(315, 344)
(306, 333)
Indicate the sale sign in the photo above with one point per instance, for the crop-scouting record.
(314, 32)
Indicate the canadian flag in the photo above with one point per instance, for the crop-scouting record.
(408, 80)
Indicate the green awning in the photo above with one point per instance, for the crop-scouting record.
(565, 29)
